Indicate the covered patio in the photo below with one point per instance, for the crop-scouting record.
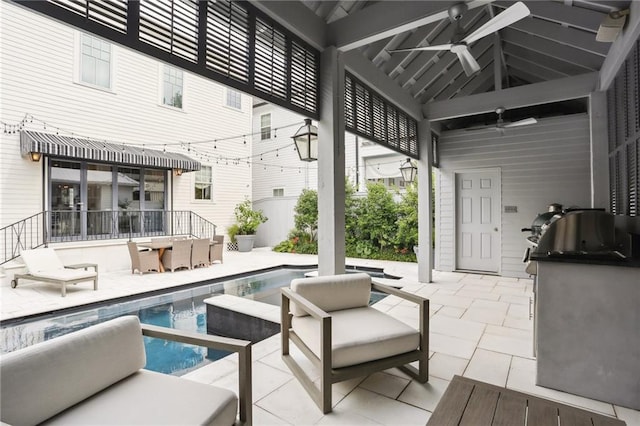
(335, 63)
(480, 328)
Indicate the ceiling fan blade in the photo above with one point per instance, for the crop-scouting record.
(415, 49)
(468, 62)
(525, 122)
(510, 15)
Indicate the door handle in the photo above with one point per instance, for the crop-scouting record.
(495, 229)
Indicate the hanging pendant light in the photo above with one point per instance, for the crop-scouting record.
(306, 139)
(408, 171)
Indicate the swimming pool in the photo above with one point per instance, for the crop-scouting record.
(177, 308)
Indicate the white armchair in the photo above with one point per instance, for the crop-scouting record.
(329, 319)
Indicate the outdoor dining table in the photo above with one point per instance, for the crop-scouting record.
(161, 246)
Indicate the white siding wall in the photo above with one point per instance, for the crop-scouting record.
(38, 60)
(281, 169)
(540, 164)
(280, 213)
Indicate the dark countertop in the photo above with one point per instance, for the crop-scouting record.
(587, 259)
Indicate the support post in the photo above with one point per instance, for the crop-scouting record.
(331, 165)
(425, 203)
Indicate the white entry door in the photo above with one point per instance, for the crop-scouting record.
(478, 221)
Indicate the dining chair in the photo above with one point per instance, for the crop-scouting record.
(178, 256)
(200, 252)
(217, 249)
(143, 260)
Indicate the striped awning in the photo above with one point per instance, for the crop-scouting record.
(96, 150)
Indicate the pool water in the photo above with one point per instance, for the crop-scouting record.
(179, 309)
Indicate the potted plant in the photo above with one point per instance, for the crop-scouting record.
(247, 222)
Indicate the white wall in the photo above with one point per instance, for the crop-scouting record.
(540, 164)
(38, 60)
(276, 163)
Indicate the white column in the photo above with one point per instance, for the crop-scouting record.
(331, 165)
(599, 150)
(425, 202)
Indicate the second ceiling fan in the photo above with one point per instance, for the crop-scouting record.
(460, 43)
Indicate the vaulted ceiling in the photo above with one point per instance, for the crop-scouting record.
(557, 40)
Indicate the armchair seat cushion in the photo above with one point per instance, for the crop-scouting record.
(152, 398)
(356, 335)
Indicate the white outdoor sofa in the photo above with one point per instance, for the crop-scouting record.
(94, 377)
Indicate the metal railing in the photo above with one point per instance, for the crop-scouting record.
(66, 225)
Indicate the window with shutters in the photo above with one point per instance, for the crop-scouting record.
(228, 39)
(171, 25)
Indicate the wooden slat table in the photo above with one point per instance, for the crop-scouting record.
(468, 402)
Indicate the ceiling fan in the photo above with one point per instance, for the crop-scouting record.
(501, 125)
(460, 43)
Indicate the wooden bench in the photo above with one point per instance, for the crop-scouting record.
(470, 402)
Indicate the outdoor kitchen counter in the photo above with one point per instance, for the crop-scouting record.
(587, 339)
(631, 263)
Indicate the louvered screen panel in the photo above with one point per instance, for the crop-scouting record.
(636, 91)
(349, 103)
(611, 124)
(171, 25)
(412, 135)
(379, 116)
(228, 39)
(632, 177)
(392, 128)
(363, 111)
(304, 82)
(110, 13)
(403, 136)
(369, 115)
(613, 189)
(270, 60)
(620, 114)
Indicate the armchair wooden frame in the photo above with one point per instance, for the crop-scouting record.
(242, 347)
(329, 375)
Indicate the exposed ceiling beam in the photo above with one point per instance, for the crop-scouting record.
(484, 76)
(445, 69)
(297, 18)
(447, 92)
(424, 58)
(562, 66)
(385, 19)
(516, 97)
(414, 40)
(577, 17)
(377, 49)
(540, 69)
(565, 35)
(553, 49)
(526, 76)
(621, 47)
(360, 66)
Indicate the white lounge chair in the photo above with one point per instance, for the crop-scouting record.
(44, 265)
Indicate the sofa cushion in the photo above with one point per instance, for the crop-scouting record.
(333, 292)
(44, 379)
(149, 398)
(357, 335)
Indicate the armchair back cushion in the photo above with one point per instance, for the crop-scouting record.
(333, 293)
(49, 377)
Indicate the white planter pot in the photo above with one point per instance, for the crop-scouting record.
(245, 242)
